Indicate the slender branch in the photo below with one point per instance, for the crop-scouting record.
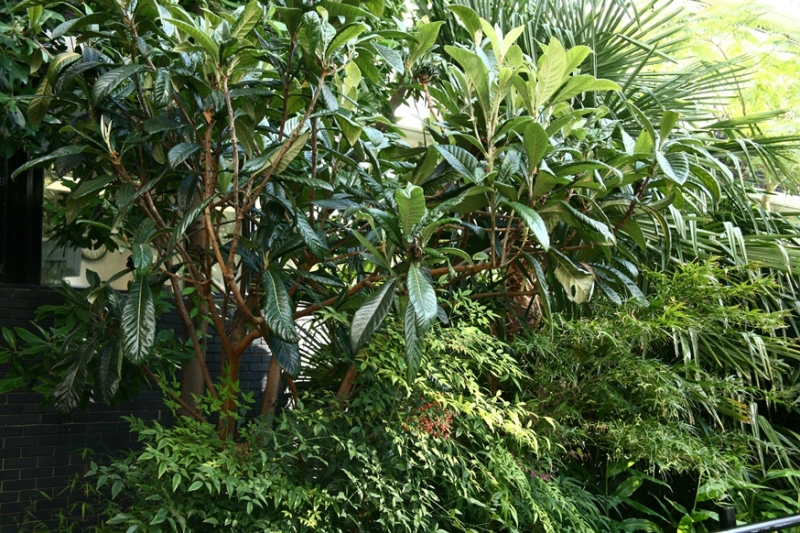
(189, 326)
(174, 396)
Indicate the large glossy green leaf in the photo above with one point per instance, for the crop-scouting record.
(533, 221)
(675, 166)
(421, 294)
(371, 314)
(278, 308)
(348, 33)
(476, 72)
(248, 20)
(108, 373)
(313, 241)
(61, 152)
(38, 106)
(552, 71)
(537, 144)
(162, 88)
(392, 57)
(138, 328)
(411, 206)
(287, 354)
(69, 390)
(265, 161)
(425, 37)
(471, 21)
(181, 152)
(199, 36)
(462, 161)
(413, 337)
(109, 81)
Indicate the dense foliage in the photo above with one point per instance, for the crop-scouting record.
(561, 313)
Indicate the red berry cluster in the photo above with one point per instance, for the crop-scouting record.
(431, 418)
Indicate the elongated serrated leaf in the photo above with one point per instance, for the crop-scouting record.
(675, 166)
(421, 294)
(392, 57)
(411, 206)
(470, 19)
(552, 71)
(162, 88)
(181, 152)
(161, 123)
(248, 20)
(61, 152)
(534, 223)
(592, 223)
(476, 72)
(425, 38)
(462, 161)
(348, 33)
(536, 143)
(371, 314)
(38, 106)
(109, 81)
(287, 354)
(58, 63)
(413, 338)
(69, 389)
(138, 327)
(668, 122)
(264, 162)
(315, 244)
(108, 372)
(278, 308)
(199, 36)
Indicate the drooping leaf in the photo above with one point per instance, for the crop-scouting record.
(675, 166)
(38, 106)
(534, 223)
(425, 38)
(61, 152)
(552, 71)
(348, 33)
(537, 144)
(411, 206)
(470, 19)
(371, 314)
(392, 57)
(200, 37)
(278, 308)
(109, 81)
(68, 391)
(138, 327)
(108, 372)
(462, 161)
(248, 20)
(287, 354)
(413, 338)
(315, 244)
(181, 152)
(421, 294)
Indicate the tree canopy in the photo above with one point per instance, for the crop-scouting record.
(564, 295)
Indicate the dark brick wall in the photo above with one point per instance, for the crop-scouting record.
(40, 450)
